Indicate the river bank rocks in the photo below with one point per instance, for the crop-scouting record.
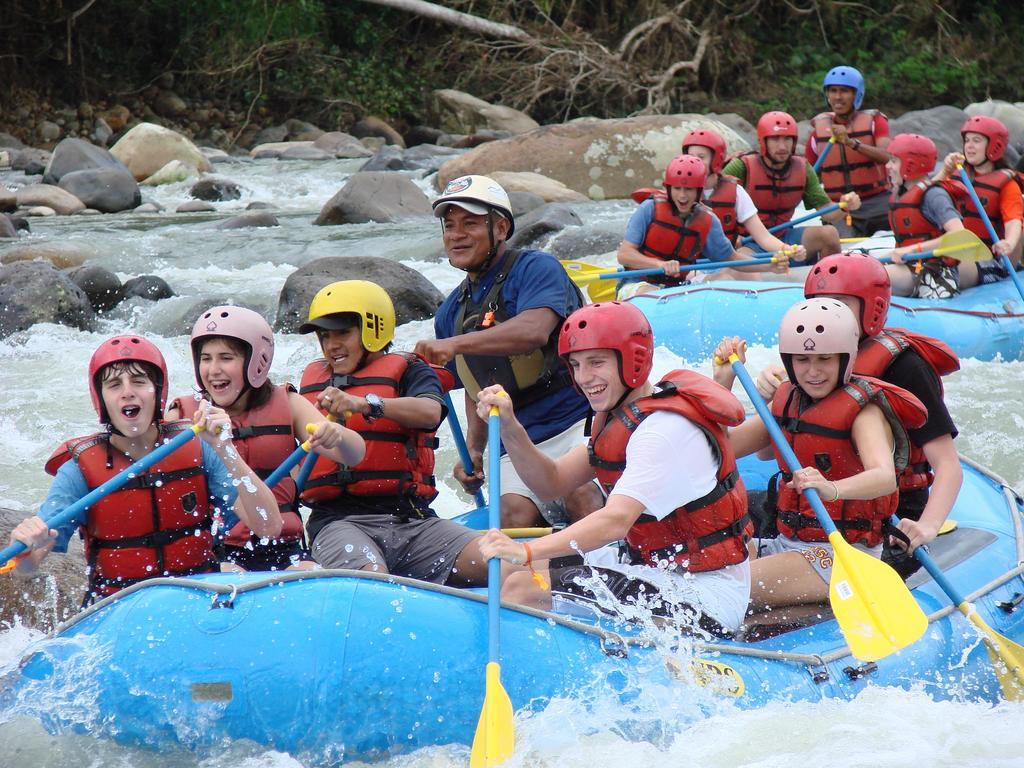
(459, 112)
(37, 292)
(414, 297)
(147, 148)
(374, 196)
(601, 159)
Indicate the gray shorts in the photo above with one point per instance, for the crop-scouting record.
(991, 271)
(420, 549)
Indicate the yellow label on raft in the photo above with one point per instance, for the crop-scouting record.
(720, 678)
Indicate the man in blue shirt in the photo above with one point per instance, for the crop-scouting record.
(500, 326)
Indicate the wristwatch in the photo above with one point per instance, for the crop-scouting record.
(376, 407)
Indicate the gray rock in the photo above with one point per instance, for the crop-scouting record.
(8, 199)
(375, 126)
(422, 134)
(37, 292)
(271, 135)
(101, 132)
(48, 131)
(61, 201)
(101, 285)
(259, 205)
(341, 145)
(428, 157)
(79, 155)
(148, 287)
(6, 140)
(109, 190)
(373, 196)
(738, 123)
(195, 206)
(388, 158)
(305, 153)
(524, 202)
(534, 228)
(373, 143)
(20, 223)
(414, 296)
(7, 229)
(170, 104)
(581, 243)
(30, 160)
(251, 219)
(459, 112)
(148, 208)
(940, 124)
(215, 189)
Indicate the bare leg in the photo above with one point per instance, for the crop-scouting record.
(784, 579)
(521, 589)
(519, 512)
(584, 500)
(822, 240)
(470, 567)
(903, 282)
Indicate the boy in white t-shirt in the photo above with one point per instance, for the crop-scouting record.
(662, 454)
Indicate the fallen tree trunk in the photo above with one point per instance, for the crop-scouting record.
(458, 19)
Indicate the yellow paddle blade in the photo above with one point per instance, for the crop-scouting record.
(963, 245)
(948, 526)
(1007, 657)
(495, 740)
(583, 273)
(874, 608)
(601, 290)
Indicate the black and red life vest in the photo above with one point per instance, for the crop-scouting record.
(906, 216)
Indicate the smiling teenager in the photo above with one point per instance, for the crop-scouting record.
(232, 351)
(160, 522)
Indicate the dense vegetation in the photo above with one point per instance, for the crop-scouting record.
(331, 62)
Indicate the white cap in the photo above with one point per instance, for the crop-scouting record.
(478, 195)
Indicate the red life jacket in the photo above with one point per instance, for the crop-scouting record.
(820, 436)
(722, 203)
(157, 524)
(707, 533)
(264, 438)
(989, 187)
(669, 238)
(875, 356)
(845, 169)
(399, 461)
(775, 193)
(908, 222)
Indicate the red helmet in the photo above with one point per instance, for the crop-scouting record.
(917, 154)
(122, 349)
(775, 124)
(858, 275)
(686, 171)
(613, 325)
(705, 137)
(993, 130)
(819, 327)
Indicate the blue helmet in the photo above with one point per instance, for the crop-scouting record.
(848, 77)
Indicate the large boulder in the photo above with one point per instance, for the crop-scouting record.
(603, 159)
(147, 148)
(215, 189)
(37, 292)
(583, 242)
(103, 189)
(535, 228)
(459, 112)
(101, 285)
(372, 126)
(414, 296)
(551, 190)
(341, 145)
(150, 287)
(59, 200)
(61, 255)
(79, 155)
(375, 196)
(940, 124)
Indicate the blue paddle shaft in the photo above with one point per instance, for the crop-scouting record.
(821, 158)
(780, 442)
(622, 274)
(73, 511)
(1004, 260)
(493, 521)
(286, 466)
(307, 469)
(460, 445)
(792, 222)
(921, 553)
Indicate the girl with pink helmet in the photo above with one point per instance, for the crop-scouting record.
(850, 435)
(232, 351)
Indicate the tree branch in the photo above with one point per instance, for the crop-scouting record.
(458, 19)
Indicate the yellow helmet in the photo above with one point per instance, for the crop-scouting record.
(359, 297)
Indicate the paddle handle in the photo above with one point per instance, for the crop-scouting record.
(461, 447)
(824, 153)
(792, 222)
(72, 511)
(1004, 260)
(493, 521)
(286, 466)
(824, 520)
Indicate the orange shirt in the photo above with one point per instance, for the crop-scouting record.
(1011, 202)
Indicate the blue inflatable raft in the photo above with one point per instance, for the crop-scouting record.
(338, 665)
(985, 322)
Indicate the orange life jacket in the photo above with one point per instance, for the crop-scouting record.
(264, 438)
(776, 194)
(989, 187)
(669, 238)
(820, 436)
(707, 533)
(907, 220)
(157, 524)
(845, 169)
(875, 356)
(722, 203)
(399, 461)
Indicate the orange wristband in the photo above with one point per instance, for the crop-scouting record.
(538, 579)
(529, 555)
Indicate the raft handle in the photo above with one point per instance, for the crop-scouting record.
(220, 601)
(821, 676)
(856, 673)
(614, 646)
(1009, 606)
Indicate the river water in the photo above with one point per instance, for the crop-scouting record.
(43, 375)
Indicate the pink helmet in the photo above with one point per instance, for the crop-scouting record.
(612, 325)
(917, 154)
(775, 124)
(858, 275)
(993, 130)
(686, 171)
(247, 327)
(705, 137)
(122, 349)
(819, 327)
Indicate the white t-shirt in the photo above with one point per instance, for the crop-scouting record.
(669, 463)
(745, 207)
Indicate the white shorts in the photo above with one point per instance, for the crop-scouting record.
(818, 554)
(554, 447)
